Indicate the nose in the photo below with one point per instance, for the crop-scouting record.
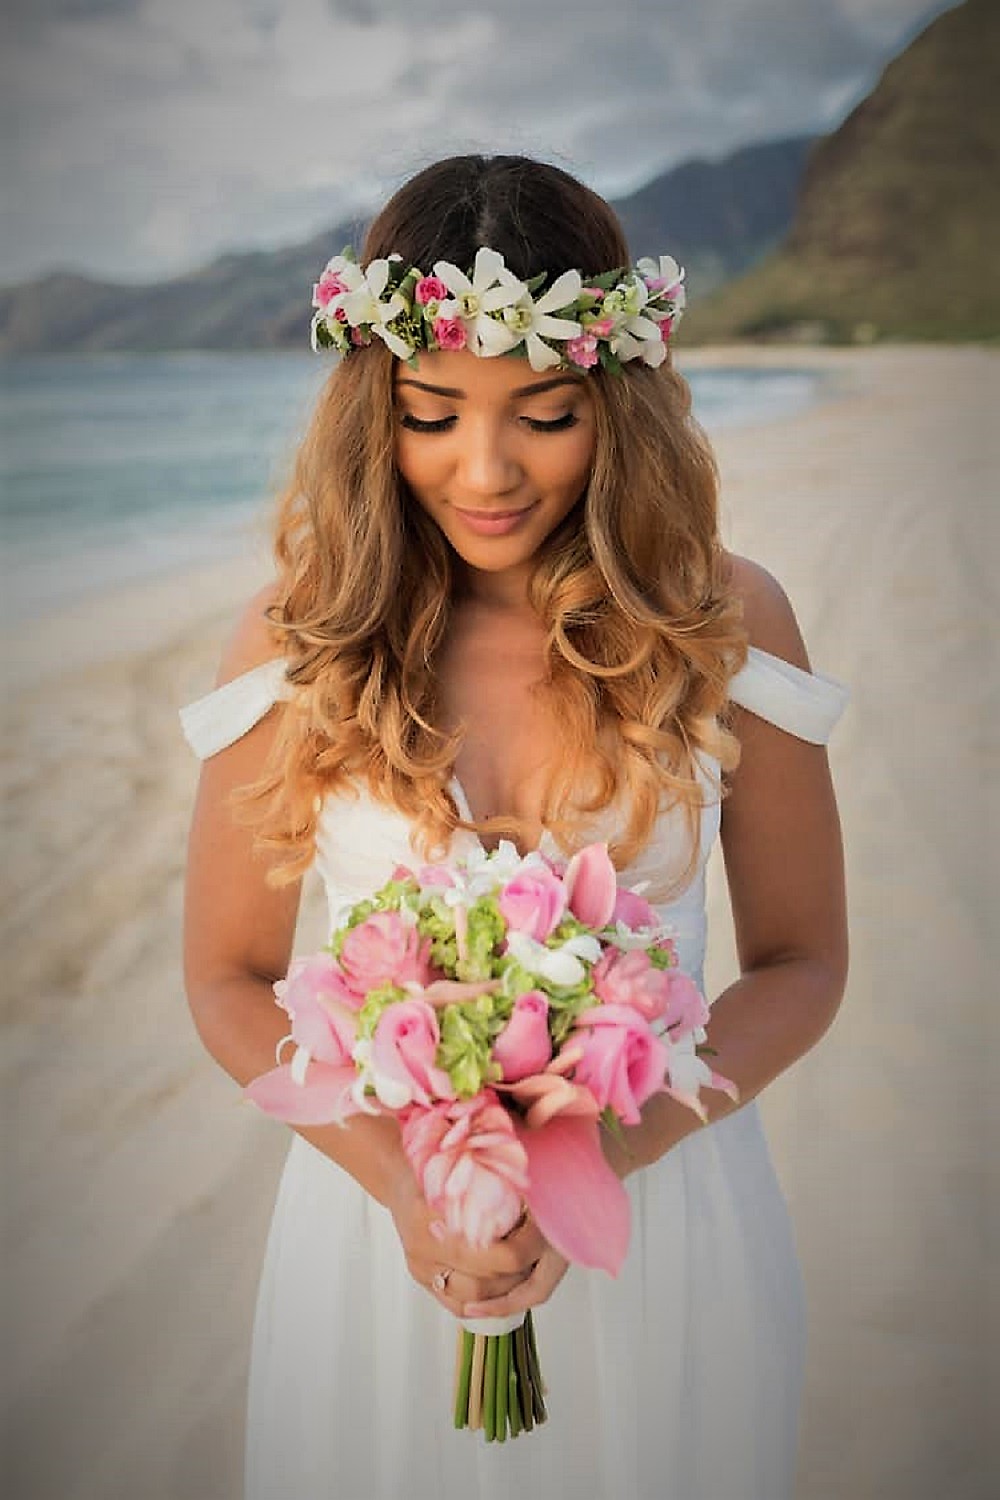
(486, 463)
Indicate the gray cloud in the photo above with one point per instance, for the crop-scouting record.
(142, 138)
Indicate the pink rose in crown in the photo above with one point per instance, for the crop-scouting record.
(534, 902)
(449, 333)
(403, 1050)
(524, 1046)
(591, 886)
(622, 1063)
(471, 1167)
(582, 351)
(602, 329)
(329, 286)
(430, 289)
(383, 949)
(666, 328)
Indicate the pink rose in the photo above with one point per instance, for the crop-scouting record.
(430, 289)
(472, 1169)
(591, 885)
(582, 350)
(622, 1062)
(594, 291)
(687, 1008)
(630, 979)
(534, 902)
(666, 327)
(383, 949)
(602, 329)
(449, 333)
(633, 910)
(524, 1046)
(321, 1007)
(329, 286)
(403, 1052)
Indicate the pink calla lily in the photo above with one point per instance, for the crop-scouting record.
(591, 886)
(574, 1197)
(324, 1098)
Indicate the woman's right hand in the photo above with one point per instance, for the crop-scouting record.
(470, 1275)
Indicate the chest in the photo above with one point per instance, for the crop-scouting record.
(495, 692)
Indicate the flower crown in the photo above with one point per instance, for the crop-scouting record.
(608, 319)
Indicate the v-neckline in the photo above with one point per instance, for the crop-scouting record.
(546, 843)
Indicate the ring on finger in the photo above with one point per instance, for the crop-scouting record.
(439, 1281)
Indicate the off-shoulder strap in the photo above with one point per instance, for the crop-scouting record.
(806, 704)
(220, 717)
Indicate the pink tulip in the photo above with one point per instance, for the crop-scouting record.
(524, 1046)
(622, 1063)
(534, 902)
(384, 949)
(633, 910)
(629, 978)
(403, 1053)
(471, 1167)
(591, 887)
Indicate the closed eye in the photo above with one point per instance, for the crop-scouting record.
(415, 424)
(442, 424)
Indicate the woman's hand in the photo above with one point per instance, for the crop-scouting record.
(512, 1274)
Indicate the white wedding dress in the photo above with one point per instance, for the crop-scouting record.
(679, 1380)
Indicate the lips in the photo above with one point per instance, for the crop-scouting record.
(493, 522)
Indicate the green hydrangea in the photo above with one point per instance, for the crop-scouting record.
(468, 1031)
(486, 931)
(376, 1001)
(436, 921)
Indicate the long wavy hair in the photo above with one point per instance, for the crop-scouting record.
(642, 633)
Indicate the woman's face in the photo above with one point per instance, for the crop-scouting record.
(494, 452)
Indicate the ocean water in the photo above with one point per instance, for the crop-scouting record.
(115, 467)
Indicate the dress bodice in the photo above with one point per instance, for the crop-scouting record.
(359, 840)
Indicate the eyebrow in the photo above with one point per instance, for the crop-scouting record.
(524, 390)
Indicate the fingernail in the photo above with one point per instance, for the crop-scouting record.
(437, 1229)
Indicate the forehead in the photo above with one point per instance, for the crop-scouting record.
(465, 376)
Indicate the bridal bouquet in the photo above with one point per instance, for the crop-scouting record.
(502, 1009)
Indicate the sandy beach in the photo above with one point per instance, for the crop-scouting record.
(138, 1186)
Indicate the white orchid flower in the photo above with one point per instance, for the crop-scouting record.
(667, 272)
(362, 302)
(491, 289)
(560, 966)
(531, 321)
(635, 336)
(483, 869)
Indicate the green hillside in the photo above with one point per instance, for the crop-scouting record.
(896, 230)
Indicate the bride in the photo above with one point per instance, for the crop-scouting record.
(502, 609)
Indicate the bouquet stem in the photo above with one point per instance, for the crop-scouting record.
(498, 1382)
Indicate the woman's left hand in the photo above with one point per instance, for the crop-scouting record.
(548, 1270)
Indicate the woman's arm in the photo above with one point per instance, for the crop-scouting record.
(784, 863)
(238, 938)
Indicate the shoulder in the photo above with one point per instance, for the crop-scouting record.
(253, 640)
(767, 610)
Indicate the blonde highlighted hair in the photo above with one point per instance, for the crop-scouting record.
(642, 631)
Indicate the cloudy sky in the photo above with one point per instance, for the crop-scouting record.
(142, 137)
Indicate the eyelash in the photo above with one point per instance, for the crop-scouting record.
(414, 424)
